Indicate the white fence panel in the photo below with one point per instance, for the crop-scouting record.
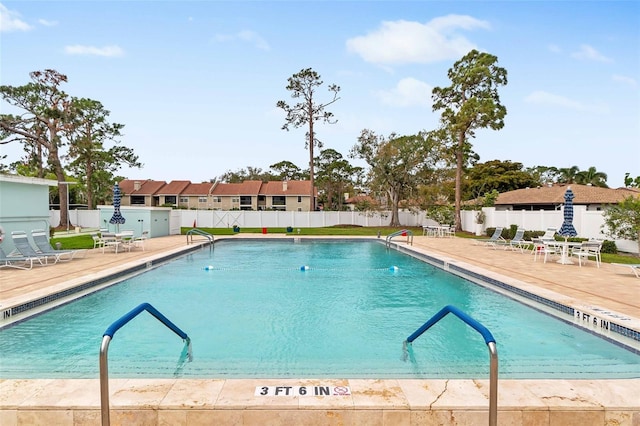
(588, 223)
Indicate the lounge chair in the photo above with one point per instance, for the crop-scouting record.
(25, 249)
(18, 262)
(516, 243)
(495, 238)
(549, 234)
(44, 246)
(635, 267)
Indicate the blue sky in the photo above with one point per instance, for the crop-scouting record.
(196, 82)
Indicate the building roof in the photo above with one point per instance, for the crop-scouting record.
(198, 189)
(248, 187)
(147, 187)
(174, 187)
(185, 187)
(291, 187)
(583, 194)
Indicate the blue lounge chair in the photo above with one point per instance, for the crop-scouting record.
(496, 238)
(18, 262)
(44, 246)
(24, 249)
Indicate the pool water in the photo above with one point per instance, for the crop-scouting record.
(317, 309)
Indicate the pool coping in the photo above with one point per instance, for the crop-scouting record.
(399, 401)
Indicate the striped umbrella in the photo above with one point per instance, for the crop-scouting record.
(567, 230)
(117, 218)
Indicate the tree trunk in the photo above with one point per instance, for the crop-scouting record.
(312, 199)
(395, 200)
(459, 162)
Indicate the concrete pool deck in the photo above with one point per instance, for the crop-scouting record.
(609, 289)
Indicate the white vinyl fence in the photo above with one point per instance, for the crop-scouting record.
(588, 223)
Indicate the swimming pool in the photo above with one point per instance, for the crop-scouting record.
(257, 314)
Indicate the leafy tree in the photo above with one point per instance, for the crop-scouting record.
(396, 163)
(592, 177)
(335, 177)
(46, 115)
(91, 162)
(287, 170)
(501, 176)
(630, 182)
(568, 174)
(544, 174)
(471, 102)
(250, 173)
(302, 86)
(622, 220)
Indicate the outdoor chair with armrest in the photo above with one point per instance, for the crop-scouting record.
(588, 249)
(110, 240)
(140, 241)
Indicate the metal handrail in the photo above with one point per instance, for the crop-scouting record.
(197, 231)
(104, 347)
(488, 339)
(404, 232)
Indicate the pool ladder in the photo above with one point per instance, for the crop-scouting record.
(404, 233)
(104, 347)
(488, 339)
(196, 231)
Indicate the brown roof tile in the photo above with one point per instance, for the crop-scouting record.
(294, 187)
(147, 187)
(198, 189)
(583, 194)
(175, 187)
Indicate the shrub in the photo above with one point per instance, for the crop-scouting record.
(609, 247)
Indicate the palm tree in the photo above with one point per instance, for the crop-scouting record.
(591, 177)
(568, 175)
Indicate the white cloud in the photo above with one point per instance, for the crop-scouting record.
(10, 21)
(109, 51)
(554, 48)
(402, 42)
(544, 98)
(47, 23)
(407, 93)
(247, 36)
(588, 53)
(626, 80)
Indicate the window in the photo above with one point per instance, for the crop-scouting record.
(217, 199)
(202, 199)
(299, 198)
(170, 199)
(137, 199)
(278, 200)
(245, 200)
(184, 199)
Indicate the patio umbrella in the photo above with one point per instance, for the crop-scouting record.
(117, 218)
(567, 230)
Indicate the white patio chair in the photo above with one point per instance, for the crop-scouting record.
(140, 241)
(588, 249)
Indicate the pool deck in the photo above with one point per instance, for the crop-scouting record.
(609, 291)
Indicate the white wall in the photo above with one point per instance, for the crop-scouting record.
(588, 223)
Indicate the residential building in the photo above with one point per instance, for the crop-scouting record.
(551, 197)
(248, 195)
